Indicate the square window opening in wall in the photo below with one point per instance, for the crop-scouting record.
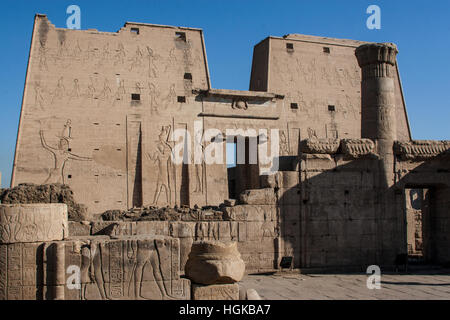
(134, 30)
(326, 50)
(180, 36)
(69, 176)
(294, 105)
(181, 99)
(331, 108)
(135, 97)
(290, 46)
(188, 76)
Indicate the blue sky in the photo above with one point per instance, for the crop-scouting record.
(421, 29)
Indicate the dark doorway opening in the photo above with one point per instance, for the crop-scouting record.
(418, 236)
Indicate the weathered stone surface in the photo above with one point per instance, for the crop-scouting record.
(253, 295)
(19, 271)
(215, 292)
(319, 146)
(79, 228)
(136, 267)
(357, 148)
(214, 262)
(33, 222)
(48, 193)
(251, 212)
(258, 196)
(420, 150)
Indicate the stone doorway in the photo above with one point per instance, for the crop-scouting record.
(418, 210)
(242, 165)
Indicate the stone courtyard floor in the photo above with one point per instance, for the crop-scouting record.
(427, 285)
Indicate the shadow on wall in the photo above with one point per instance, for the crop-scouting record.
(341, 215)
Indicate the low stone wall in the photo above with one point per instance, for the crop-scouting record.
(254, 227)
(38, 260)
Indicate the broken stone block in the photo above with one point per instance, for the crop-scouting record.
(79, 228)
(215, 292)
(27, 193)
(33, 222)
(214, 262)
(253, 295)
(258, 196)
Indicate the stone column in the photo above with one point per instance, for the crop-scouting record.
(378, 121)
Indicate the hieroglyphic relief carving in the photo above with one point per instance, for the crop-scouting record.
(163, 159)
(106, 92)
(18, 271)
(32, 222)
(152, 69)
(39, 100)
(119, 56)
(75, 93)
(171, 96)
(154, 95)
(61, 155)
(77, 52)
(199, 167)
(66, 132)
(59, 91)
(136, 60)
(284, 146)
(120, 92)
(43, 51)
(138, 88)
(130, 268)
(172, 60)
(239, 104)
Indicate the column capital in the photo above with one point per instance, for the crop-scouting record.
(376, 59)
(376, 53)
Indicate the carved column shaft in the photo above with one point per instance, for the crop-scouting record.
(378, 120)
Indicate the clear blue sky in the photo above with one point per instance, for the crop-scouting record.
(421, 29)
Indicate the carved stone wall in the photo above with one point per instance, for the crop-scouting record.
(32, 222)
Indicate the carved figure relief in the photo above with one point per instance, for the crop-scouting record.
(126, 266)
(172, 60)
(284, 147)
(119, 56)
(106, 91)
(154, 94)
(162, 158)
(152, 69)
(61, 155)
(199, 167)
(43, 57)
(121, 92)
(75, 93)
(136, 60)
(90, 91)
(39, 100)
(59, 91)
(171, 96)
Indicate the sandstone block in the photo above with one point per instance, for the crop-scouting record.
(214, 262)
(258, 196)
(79, 228)
(33, 222)
(215, 292)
